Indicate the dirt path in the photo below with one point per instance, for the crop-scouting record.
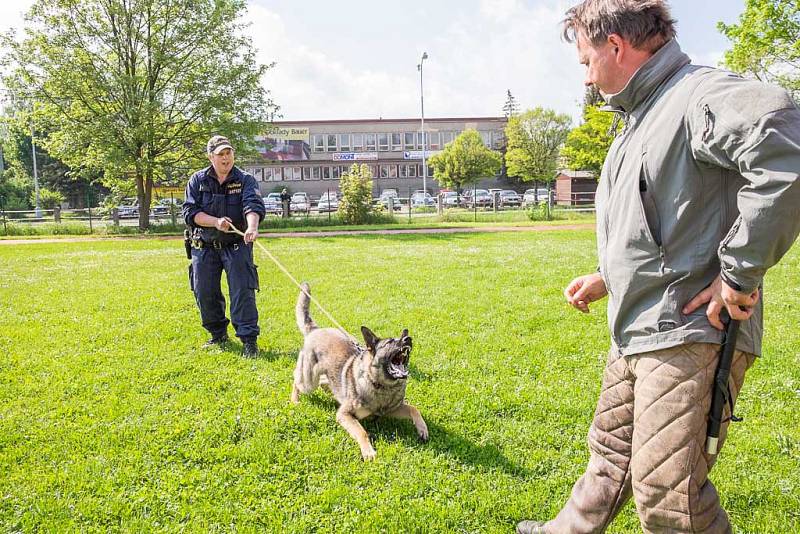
(456, 230)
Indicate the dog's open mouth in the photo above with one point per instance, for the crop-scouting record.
(397, 367)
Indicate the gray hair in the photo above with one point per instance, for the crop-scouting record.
(647, 24)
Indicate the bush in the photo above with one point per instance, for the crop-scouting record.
(356, 187)
(540, 211)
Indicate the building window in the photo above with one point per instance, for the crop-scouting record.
(318, 143)
(383, 142)
(315, 173)
(403, 171)
(344, 142)
(326, 173)
(358, 142)
(410, 142)
(447, 137)
(498, 139)
(336, 173)
(268, 174)
(486, 137)
(370, 141)
(306, 173)
(396, 142)
(392, 171)
(374, 170)
(384, 171)
(412, 171)
(331, 142)
(433, 140)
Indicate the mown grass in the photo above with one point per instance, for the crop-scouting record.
(113, 419)
(297, 223)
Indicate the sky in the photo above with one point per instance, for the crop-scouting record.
(357, 59)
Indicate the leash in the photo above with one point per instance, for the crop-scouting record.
(292, 278)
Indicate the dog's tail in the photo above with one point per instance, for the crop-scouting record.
(304, 321)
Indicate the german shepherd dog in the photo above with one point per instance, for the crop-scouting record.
(364, 381)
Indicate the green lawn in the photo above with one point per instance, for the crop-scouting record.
(113, 419)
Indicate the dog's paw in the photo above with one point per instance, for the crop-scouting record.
(423, 435)
(368, 454)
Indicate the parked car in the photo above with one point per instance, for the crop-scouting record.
(272, 203)
(509, 198)
(450, 199)
(328, 202)
(300, 203)
(421, 199)
(128, 208)
(532, 196)
(476, 198)
(166, 205)
(386, 194)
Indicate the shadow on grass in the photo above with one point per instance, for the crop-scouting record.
(270, 355)
(444, 441)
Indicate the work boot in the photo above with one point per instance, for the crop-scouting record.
(250, 349)
(530, 527)
(216, 341)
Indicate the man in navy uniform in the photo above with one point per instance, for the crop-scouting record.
(218, 197)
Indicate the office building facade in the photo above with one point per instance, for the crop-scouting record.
(311, 156)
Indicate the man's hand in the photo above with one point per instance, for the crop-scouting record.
(251, 234)
(720, 295)
(585, 289)
(223, 224)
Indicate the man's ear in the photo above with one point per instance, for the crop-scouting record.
(369, 338)
(618, 43)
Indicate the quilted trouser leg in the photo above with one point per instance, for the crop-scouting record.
(605, 486)
(669, 466)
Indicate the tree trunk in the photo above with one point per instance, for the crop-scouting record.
(144, 209)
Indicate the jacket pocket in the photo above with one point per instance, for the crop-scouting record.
(254, 284)
(647, 206)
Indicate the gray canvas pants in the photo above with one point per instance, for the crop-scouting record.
(648, 439)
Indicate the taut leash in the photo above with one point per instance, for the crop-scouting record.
(292, 278)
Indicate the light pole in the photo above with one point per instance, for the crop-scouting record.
(38, 212)
(422, 113)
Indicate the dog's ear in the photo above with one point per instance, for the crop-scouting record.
(369, 338)
(405, 340)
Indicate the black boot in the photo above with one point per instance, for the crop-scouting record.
(216, 341)
(249, 348)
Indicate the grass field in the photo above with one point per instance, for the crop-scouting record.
(113, 419)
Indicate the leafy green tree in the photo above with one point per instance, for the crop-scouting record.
(356, 188)
(587, 145)
(464, 161)
(534, 139)
(48, 199)
(135, 87)
(766, 43)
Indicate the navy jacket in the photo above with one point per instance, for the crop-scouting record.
(237, 196)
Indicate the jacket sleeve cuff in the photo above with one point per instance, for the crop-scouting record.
(737, 283)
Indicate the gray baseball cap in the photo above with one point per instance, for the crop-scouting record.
(217, 144)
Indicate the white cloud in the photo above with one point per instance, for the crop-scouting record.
(473, 60)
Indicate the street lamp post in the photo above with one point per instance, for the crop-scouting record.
(422, 113)
(38, 212)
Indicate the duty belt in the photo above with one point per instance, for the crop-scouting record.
(216, 245)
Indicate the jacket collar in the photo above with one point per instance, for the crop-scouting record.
(234, 175)
(660, 67)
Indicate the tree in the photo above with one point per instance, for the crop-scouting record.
(534, 139)
(587, 145)
(510, 108)
(464, 161)
(356, 187)
(766, 43)
(133, 88)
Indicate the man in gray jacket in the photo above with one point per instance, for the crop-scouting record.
(698, 197)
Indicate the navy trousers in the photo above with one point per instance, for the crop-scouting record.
(205, 276)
